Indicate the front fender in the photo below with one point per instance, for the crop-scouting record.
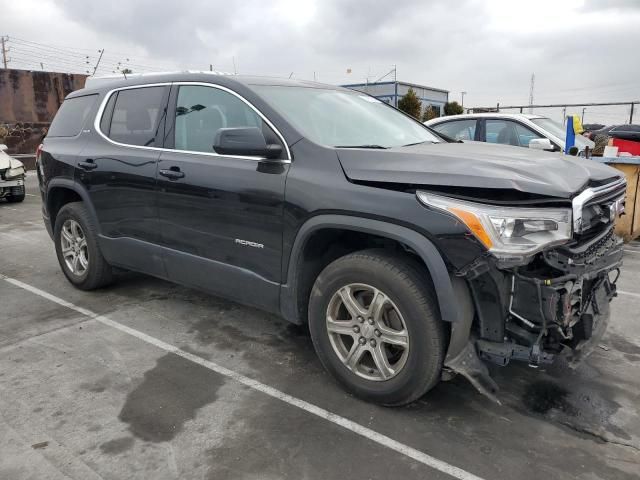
(422, 246)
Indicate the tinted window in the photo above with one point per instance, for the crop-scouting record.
(136, 115)
(202, 111)
(459, 129)
(105, 122)
(71, 116)
(507, 132)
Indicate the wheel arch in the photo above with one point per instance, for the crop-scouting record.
(61, 191)
(290, 299)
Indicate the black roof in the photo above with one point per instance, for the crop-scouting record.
(100, 84)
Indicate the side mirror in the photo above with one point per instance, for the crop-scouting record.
(3, 147)
(541, 144)
(247, 141)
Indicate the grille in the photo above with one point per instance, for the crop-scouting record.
(595, 209)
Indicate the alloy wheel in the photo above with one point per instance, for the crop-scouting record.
(73, 244)
(367, 332)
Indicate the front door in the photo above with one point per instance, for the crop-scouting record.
(221, 216)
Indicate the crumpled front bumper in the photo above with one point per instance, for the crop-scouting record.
(558, 304)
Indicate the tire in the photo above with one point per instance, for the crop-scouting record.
(403, 285)
(16, 198)
(97, 272)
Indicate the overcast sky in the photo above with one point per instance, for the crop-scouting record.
(579, 50)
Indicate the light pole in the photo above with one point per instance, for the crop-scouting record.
(462, 94)
(582, 120)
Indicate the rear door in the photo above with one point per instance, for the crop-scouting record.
(221, 216)
(118, 170)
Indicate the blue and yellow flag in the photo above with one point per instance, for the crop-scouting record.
(574, 127)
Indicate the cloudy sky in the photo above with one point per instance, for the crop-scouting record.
(579, 50)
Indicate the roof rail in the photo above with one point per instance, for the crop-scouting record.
(94, 81)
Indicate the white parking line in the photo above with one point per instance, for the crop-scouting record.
(350, 425)
(631, 294)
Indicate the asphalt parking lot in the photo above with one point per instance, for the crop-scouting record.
(146, 379)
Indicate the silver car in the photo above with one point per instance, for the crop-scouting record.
(517, 129)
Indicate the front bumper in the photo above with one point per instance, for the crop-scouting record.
(557, 304)
(18, 182)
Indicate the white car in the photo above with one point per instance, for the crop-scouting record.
(517, 129)
(11, 177)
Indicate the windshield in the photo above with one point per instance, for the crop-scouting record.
(338, 118)
(558, 130)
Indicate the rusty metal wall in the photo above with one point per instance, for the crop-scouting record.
(28, 102)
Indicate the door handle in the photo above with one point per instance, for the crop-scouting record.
(173, 173)
(87, 165)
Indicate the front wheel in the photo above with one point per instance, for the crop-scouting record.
(376, 328)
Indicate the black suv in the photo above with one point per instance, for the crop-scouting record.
(409, 257)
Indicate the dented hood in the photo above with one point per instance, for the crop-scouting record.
(477, 165)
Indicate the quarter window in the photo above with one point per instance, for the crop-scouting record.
(136, 116)
(71, 116)
(201, 111)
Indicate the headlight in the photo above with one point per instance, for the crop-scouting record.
(507, 230)
(14, 172)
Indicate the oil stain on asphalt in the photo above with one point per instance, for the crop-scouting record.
(169, 395)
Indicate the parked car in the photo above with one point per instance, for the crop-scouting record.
(590, 127)
(11, 177)
(621, 131)
(406, 255)
(516, 129)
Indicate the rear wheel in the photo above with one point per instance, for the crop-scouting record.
(376, 328)
(76, 240)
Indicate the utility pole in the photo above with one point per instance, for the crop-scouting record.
(533, 79)
(462, 94)
(98, 62)
(4, 52)
(631, 115)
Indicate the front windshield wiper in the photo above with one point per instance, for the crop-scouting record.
(361, 146)
(418, 143)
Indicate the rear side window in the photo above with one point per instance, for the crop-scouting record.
(72, 116)
(136, 115)
(458, 129)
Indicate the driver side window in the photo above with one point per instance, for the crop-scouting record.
(201, 111)
(507, 132)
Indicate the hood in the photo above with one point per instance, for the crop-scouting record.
(476, 165)
(7, 161)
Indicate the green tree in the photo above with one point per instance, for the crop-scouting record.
(453, 108)
(411, 104)
(429, 113)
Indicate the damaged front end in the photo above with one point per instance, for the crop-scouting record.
(532, 306)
